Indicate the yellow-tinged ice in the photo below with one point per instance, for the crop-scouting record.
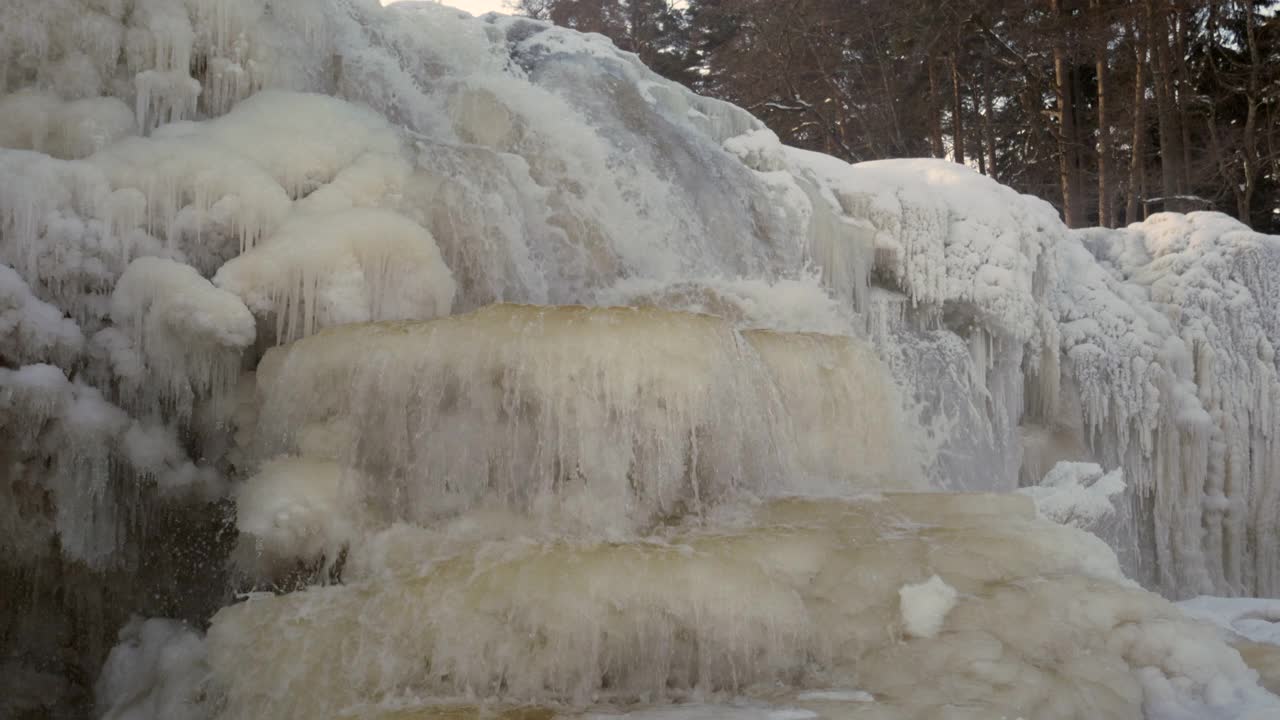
(603, 420)
(793, 593)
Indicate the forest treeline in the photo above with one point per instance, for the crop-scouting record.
(1109, 109)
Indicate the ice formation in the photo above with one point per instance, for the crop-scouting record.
(31, 329)
(1252, 618)
(354, 266)
(613, 419)
(64, 129)
(66, 443)
(188, 334)
(154, 672)
(419, 326)
(297, 509)
(793, 593)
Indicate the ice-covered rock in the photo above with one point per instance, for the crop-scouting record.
(1005, 614)
(613, 420)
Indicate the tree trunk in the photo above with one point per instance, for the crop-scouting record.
(1181, 103)
(957, 111)
(1137, 161)
(1254, 98)
(1166, 115)
(636, 28)
(1068, 145)
(1105, 213)
(1215, 149)
(988, 111)
(935, 110)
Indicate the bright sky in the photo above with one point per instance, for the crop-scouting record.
(475, 7)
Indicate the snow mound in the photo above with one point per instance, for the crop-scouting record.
(329, 269)
(32, 330)
(157, 670)
(297, 509)
(188, 333)
(925, 606)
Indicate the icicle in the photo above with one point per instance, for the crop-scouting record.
(790, 584)
(599, 411)
(164, 97)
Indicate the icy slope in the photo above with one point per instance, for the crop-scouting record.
(250, 253)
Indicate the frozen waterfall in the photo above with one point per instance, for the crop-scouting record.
(393, 363)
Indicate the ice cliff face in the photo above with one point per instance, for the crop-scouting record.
(300, 291)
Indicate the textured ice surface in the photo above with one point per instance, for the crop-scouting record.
(611, 420)
(205, 203)
(1256, 619)
(799, 593)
